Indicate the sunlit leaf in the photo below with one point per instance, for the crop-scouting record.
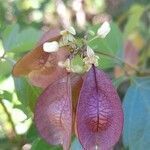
(27, 94)
(136, 107)
(99, 112)
(53, 114)
(5, 69)
(5, 95)
(25, 109)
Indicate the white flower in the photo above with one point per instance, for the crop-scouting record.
(90, 59)
(67, 36)
(69, 30)
(89, 52)
(104, 29)
(51, 46)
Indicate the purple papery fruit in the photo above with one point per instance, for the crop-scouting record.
(99, 112)
(53, 114)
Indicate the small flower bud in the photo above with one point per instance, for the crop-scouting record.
(104, 29)
(69, 30)
(90, 52)
(66, 64)
(51, 46)
(67, 37)
(90, 59)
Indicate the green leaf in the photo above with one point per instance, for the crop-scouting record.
(135, 14)
(5, 95)
(40, 144)
(9, 36)
(32, 133)
(5, 69)
(136, 105)
(27, 94)
(111, 44)
(16, 40)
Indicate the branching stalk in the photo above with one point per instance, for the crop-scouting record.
(124, 62)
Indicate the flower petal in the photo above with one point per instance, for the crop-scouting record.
(50, 46)
(104, 29)
(53, 114)
(99, 112)
(71, 30)
(90, 52)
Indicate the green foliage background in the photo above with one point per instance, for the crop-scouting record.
(22, 22)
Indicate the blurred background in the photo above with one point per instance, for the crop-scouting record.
(22, 22)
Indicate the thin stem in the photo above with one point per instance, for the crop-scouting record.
(124, 62)
(9, 117)
(97, 36)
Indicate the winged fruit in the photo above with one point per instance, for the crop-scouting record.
(99, 113)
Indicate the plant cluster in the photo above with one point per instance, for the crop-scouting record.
(95, 113)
